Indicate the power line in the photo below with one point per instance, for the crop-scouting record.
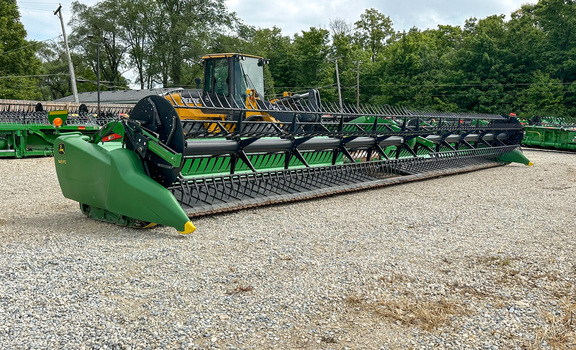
(32, 76)
(427, 85)
(108, 84)
(27, 46)
(38, 2)
(470, 94)
(463, 85)
(35, 9)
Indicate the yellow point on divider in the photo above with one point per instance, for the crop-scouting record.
(188, 228)
(530, 164)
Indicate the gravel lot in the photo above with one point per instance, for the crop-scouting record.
(484, 260)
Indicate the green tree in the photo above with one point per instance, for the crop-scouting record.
(183, 29)
(545, 96)
(311, 67)
(56, 82)
(344, 49)
(526, 44)
(353, 60)
(480, 68)
(162, 40)
(98, 26)
(17, 60)
(135, 28)
(373, 30)
(557, 20)
(412, 72)
(570, 101)
(273, 45)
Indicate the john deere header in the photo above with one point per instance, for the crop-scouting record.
(195, 152)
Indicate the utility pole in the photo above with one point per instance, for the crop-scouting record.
(98, 76)
(58, 13)
(357, 86)
(97, 70)
(335, 59)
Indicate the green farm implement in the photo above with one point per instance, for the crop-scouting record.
(26, 131)
(553, 133)
(193, 153)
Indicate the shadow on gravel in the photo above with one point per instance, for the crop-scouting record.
(70, 223)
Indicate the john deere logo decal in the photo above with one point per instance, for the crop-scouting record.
(61, 149)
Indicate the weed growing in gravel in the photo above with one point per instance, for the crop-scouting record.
(561, 330)
(396, 278)
(410, 310)
(427, 314)
(354, 300)
(240, 289)
(328, 339)
(469, 291)
(500, 261)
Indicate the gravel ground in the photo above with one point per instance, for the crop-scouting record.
(484, 260)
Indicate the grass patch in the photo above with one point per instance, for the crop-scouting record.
(426, 314)
(560, 331)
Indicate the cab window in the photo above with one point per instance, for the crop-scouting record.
(216, 80)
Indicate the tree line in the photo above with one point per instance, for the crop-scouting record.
(525, 64)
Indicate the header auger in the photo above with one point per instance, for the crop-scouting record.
(194, 153)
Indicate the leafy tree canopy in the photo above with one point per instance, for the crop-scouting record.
(524, 64)
(17, 60)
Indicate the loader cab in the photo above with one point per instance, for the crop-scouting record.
(228, 76)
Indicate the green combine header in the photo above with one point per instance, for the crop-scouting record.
(166, 169)
(225, 148)
(27, 128)
(553, 133)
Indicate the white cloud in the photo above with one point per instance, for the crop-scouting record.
(39, 20)
(297, 15)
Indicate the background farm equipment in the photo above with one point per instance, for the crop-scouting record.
(551, 132)
(26, 131)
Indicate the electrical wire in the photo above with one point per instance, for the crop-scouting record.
(27, 46)
(426, 85)
(33, 76)
(39, 2)
(464, 85)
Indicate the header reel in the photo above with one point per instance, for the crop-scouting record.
(155, 133)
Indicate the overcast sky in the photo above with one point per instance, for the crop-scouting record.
(294, 16)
